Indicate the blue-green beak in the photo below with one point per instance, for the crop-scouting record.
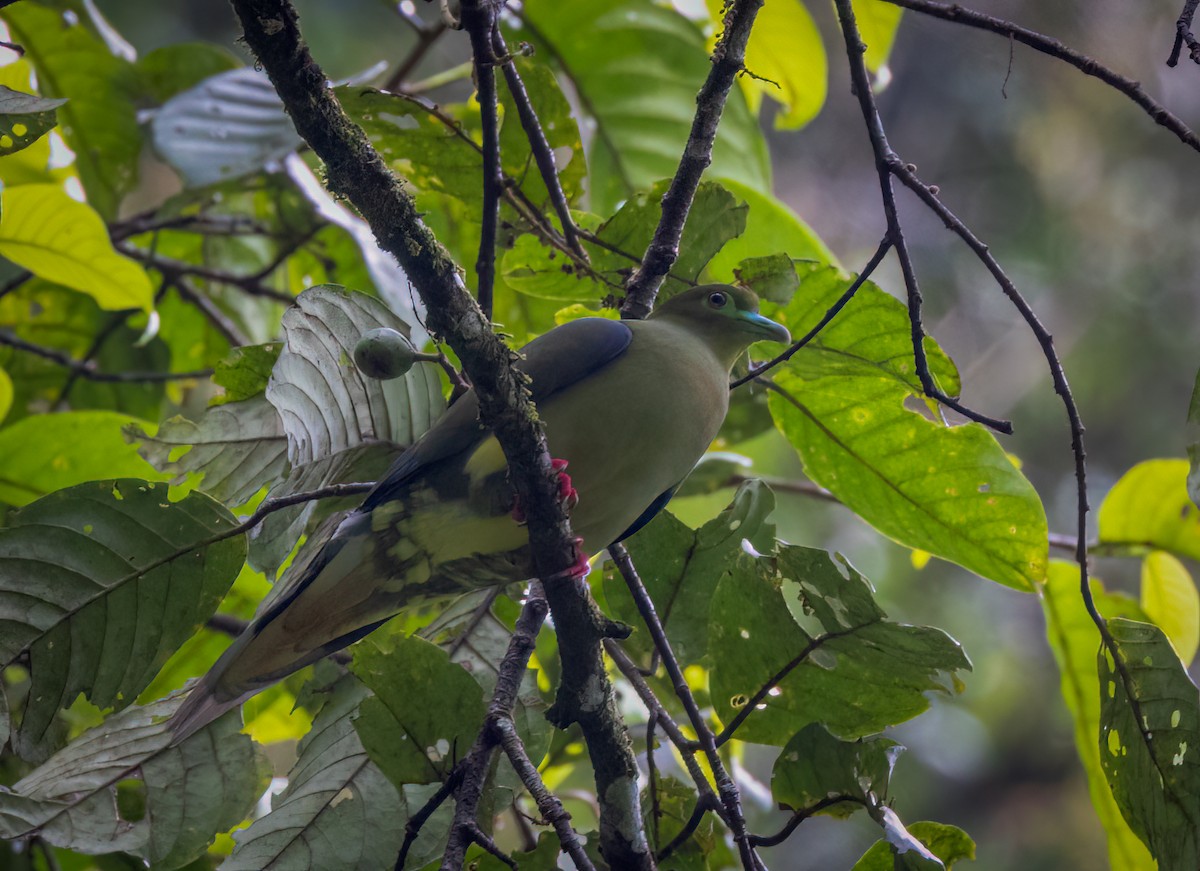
(767, 329)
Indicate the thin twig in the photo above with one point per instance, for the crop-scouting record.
(876, 258)
(220, 321)
(538, 145)
(729, 58)
(797, 818)
(173, 270)
(87, 369)
(1052, 47)
(655, 707)
(416, 822)
(427, 35)
(886, 163)
(479, 21)
(704, 804)
(1183, 34)
(726, 789)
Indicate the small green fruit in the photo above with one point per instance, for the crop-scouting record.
(384, 354)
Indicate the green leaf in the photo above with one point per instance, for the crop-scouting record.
(24, 119)
(229, 125)
(6, 394)
(714, 218)
(951, 491)
(65, 241)
(878, 22)
(680, 567)
(91, 590)
(426, 710)
(325, 403)
(850, 668)
(338, 809)
(771, 228)
(47, 452)
(246, 371)
(636, 67)
(816, 767)
(431, 154)
(772, 277)
(1170, 600)
(1149, 508)
(674, 801)
(99, 122)
(786, 61)
(559, 126)
(237, 447)
(166, 71)
(949, 844)
(203, 786)
(1074, 639)
(1149, 737)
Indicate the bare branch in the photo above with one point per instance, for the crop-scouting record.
(729, 59)
(479, 21)
(1183, 34)
(87, 369)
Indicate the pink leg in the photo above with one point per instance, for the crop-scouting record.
(566, 491)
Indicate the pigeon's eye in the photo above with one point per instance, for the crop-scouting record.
(717, 299)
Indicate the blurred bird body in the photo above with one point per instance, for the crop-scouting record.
(630, 405)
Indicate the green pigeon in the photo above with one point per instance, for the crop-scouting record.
(628, 406)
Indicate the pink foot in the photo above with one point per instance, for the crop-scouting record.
(579, 569)
(567, 493)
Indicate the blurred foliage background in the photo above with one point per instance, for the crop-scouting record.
(1089, 206)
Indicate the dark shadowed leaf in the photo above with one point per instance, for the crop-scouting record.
(338, 809)
(852, 669)
(1149, 735)
(815, 767)
(245, 372)
(425, 712)
(166, 71)
(96, 597)
(203, 786)
(680, 567)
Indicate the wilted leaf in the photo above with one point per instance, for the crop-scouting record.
(47, 452)
(325, 403)
(205, 785)
(1149, 508)
(949, 844)
(237, 447)
(1149, 737)
(93, 592)
(852, 670)
(24, 118)
(338, 809)
(229, 125)
(1074, 639)
(65, 241)
(425, 711)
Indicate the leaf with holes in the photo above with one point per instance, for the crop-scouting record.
(680, 567)
(99, 121)
(951, 491)
(338, 809)
(1149, 738)
(325, 403)
(99, 584)
(65, 241)
(192, 791)
(24, 119)
(426, 710)
(1073, 639)
(949, 844)
(1149, 508)
(844, 665)
(636, 67)
(238, 448)
(817, 771)
(229, 125)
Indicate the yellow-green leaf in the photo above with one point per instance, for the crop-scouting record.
(1169, 598)
(877, 22)
(65, 241)
(6, 394)
(1149, 508)
(786, 61)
